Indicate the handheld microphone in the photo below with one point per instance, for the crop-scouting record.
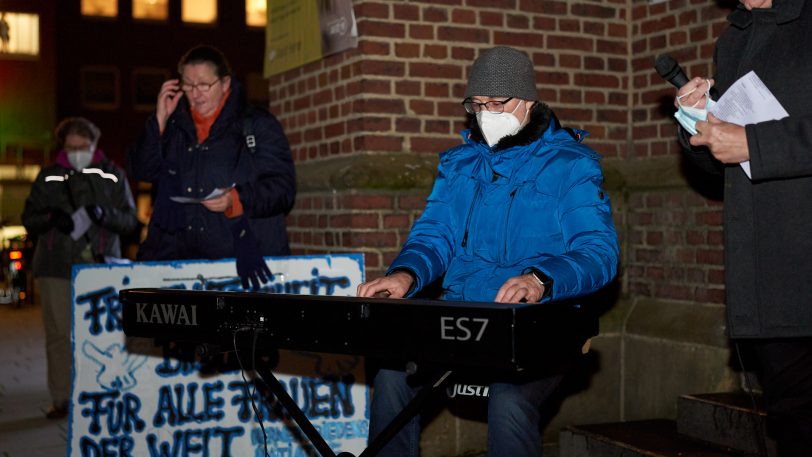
(670, 70)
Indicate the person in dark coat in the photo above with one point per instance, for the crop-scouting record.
(203, 138)
(78, 208)
(767, 217)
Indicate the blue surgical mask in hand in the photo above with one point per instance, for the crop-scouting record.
(688, 116)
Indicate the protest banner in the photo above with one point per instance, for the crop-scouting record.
(132, 397)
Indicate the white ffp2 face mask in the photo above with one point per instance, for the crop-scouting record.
(80, 159)
(496, 126)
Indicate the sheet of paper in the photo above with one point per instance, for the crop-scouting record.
(81, 223)
(748, 101)
(213, 194)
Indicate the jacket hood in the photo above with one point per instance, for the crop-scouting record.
(62, 158)
(540, 117)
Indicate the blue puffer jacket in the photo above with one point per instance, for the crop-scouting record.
(496, 213)
(265, 180)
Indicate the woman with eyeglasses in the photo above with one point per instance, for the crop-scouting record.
(222, 171)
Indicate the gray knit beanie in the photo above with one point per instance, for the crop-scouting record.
(502, 72)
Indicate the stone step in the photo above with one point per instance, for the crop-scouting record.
(647, 438)
(727, 419)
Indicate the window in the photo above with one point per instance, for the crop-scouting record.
(99, 87)
(146, 86)
(256, 13)
(151, 10)
(103, 8)
(199, 11)
(19, 34)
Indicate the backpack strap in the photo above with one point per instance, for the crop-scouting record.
(248, 129)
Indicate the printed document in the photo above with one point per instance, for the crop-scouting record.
(81, 223)
(748, 101)
(214, 194)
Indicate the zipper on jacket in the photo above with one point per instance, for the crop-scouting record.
(507, 223)
(470, 213)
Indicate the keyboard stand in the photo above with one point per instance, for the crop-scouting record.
(406, 414)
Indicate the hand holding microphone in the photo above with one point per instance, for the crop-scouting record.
(692, 104)
(691, 92)
(727, 142)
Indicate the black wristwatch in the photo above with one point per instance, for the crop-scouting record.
(545, 281)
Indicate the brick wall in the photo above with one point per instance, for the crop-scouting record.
(399, 93)
(674, 233)
(675, 241)
(375, 223)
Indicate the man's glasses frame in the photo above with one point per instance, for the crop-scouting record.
(494, 106)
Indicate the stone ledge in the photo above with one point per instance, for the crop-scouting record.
(686, 322)
(682, 322)
(644, 174)
(407, 171)
(726, 418)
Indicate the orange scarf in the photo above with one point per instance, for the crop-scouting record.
(203, 123)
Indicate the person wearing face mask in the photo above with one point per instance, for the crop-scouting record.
(203, 138)
(77, 210)
(768, 250)
(517, 214)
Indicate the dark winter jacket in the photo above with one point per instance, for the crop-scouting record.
(60, 187)
(534, 201)
(265, 179)
(768, 247)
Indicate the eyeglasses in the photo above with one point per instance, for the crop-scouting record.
(202, 87)
(494, 106)
(78, 147)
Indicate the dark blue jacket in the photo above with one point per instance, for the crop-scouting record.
(265, 180)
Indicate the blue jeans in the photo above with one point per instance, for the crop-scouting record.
(513, 421)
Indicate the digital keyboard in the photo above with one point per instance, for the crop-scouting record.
(444, 335)
(453, 335)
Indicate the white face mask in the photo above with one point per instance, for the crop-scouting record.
(688, 116)
(80, 159)
(496, 126)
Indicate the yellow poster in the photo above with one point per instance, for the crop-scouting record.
(301, 31)
(293, 35)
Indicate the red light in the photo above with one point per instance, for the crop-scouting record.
(17, 265)
(15, 255)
